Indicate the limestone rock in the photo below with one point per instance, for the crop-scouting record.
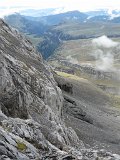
(30, 101)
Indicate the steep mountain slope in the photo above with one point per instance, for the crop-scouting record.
(25, 25)
(90, 112)
(29, 26)
(31, 104)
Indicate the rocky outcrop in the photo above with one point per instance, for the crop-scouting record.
(31, 123)
(30, 101)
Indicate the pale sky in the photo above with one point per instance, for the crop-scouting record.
(9, 6)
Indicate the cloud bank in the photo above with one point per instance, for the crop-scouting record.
(105, 62)
(105, 42)
(72, 60)
(9, 11)
(104, 53)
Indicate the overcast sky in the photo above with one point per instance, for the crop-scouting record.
(8, 6)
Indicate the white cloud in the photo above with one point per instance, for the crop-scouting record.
(105, 62)
(8, 11)
(104, 53)
(105, 42)
(72, 60)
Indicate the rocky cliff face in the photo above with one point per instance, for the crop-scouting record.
(31, 125)
(30, 101)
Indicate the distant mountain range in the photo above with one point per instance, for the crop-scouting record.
(63, 17)
(56, 16)
(54, 11)
(40, 24)
(49, 31)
